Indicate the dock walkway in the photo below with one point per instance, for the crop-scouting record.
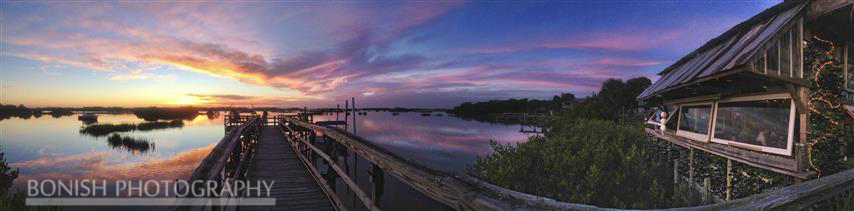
(294, 188)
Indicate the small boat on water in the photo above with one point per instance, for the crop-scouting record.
(88, 117)
(395, 113)
(426, 114)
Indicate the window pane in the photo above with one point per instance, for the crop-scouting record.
(695, 119)
(671, 121)
(762, 123)
(785, 57)
(773, 60)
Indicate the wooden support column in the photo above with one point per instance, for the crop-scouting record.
(691, 167)
(729, 175)
(707, 196)
(675, 171)
(803, 121)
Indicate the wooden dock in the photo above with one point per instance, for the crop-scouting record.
(294, 188)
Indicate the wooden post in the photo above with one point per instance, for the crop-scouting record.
(378, 182)
(353, 100)
(803, 116)
(691, 167)
(729, 179)
(707, 196)
(675, 171)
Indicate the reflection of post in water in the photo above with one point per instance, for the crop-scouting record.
(378, 182)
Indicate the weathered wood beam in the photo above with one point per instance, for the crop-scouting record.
(818, 8)
(800, 102)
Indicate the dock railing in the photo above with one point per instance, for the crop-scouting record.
(228, 161)
(457, 191)
(464, 192)
(230, 158)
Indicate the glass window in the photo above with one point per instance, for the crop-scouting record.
(773, 59)
(762, 123)
(785, 55)
(671, 121)
(695, 119)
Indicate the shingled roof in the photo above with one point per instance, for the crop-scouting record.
(729, 51)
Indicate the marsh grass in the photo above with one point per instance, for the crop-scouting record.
(98, 130)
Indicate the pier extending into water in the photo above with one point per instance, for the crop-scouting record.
(290, 149)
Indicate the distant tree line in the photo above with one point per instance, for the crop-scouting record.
(21, 111)
(615, 100)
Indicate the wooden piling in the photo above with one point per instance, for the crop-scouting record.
(691, 167)
(675, 171)
(707, 195)
(729, 176)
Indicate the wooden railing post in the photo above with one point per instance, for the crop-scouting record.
(729, 176)
(378, 182)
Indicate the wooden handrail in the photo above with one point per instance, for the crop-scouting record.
(793, 197)
(211, 168)
(469, 193)
(341, 173)
(460, 192)
(338, 205)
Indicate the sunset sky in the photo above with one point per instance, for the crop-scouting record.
(384, 53)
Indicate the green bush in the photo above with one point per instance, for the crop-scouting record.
(594, 162)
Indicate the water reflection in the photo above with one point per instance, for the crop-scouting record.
(50, 148)
(440, 142)
(436, 141)
(55, 148)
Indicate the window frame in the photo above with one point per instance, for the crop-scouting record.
(693, 135)
(649, 119)
(791, 127)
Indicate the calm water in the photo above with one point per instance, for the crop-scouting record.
(52, 148)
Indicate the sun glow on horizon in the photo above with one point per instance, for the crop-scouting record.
(188, 100)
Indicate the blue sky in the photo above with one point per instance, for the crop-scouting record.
(296, 53)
